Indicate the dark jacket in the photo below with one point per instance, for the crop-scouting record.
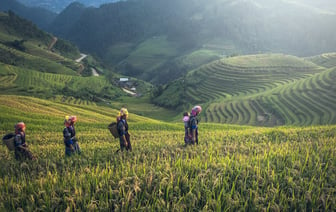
(122, 127)
(69, 133)
(20, 139)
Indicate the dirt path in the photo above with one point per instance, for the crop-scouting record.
(51, 45)
(81, 58)
(94, 72)
(128, 91)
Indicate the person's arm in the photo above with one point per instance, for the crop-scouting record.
(23, 139)
(124, 140)
(75, 139)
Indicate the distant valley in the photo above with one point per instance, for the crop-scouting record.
(59, 5)
(244, 61)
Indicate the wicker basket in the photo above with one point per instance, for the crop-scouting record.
(8, 140)
(113, 129)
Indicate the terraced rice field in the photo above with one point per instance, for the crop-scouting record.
(24, 81)
(223, 78)
(327, 60)
(265, 90)
(25, 60)
(233, 168)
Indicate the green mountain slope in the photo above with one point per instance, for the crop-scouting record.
(123, 34)
(22, 44)
(258, 90)
(309, 101)
(47, 85)
(34, 63)
(263, 89)
(39, 16)
(236, 76)
(141, 38)
(327, 60)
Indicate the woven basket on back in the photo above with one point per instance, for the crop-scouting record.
(113, 129)
(8, 140)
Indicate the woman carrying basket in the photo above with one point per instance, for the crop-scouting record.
(21, 147)
(122, 126)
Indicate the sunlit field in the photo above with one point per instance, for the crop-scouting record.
(233, 167)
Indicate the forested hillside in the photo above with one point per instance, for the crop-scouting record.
(133, 33)
(142, 38)
(39, 16)
(194, 62)
(35, 63)
(22, 44)
(59, 5)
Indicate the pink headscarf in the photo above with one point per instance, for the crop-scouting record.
(196, 110)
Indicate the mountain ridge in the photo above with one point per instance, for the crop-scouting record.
(245, 27)
(255, 89)
(116, 32)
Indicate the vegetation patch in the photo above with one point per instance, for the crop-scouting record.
(233, 167)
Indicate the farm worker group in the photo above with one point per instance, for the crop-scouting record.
(71, 142)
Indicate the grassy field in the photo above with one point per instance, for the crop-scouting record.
(233, 167)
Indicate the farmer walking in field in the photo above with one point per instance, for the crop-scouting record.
(69, 134)
(21, 147)
(194, 123)
(122, 126)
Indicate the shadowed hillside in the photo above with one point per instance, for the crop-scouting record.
(22, 44)
(141, 38)
(39, 16)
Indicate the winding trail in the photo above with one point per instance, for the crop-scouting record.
(51, 45)
(81, 58)
(94, 72)
(128, 91)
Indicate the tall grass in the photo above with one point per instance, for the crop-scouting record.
(233, 167)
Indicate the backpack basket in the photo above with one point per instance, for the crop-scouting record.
(113, 129)
(8, 140)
